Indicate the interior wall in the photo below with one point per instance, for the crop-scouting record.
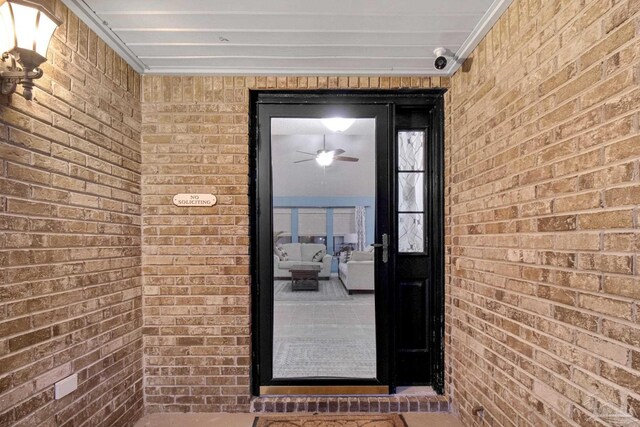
(70, 263)
(196, 260)
(543, 195)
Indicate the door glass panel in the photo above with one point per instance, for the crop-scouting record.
(411, 191)
(324, 311)
(410, 232)
(410, 167)
(411, 151)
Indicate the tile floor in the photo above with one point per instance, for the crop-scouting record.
(246, 420)
(326, 333)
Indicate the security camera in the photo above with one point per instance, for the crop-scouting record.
(441, 60)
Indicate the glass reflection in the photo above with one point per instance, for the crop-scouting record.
(323, 222)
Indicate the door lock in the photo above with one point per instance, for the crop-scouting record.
(385, 247)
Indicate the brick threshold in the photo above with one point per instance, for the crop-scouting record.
(332, 404)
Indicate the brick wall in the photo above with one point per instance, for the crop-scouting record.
(195, 260)
(543, 200)
(70, 264)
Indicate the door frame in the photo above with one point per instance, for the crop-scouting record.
(260, 267)
(264, 254)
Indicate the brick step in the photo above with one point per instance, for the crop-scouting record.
(329, 404)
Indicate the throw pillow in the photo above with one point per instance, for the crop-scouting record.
(319, 255)
(282, 254)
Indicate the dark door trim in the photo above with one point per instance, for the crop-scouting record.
(264, 254)
(260, 270)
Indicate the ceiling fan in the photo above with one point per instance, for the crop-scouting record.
(325, 157)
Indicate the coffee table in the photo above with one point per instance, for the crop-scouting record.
(304, 277)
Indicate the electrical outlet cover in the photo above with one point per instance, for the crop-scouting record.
(66, 386)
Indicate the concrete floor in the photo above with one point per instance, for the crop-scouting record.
(246, 420)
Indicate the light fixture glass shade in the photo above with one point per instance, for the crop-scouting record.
(324, 158)
(45, 31)
(26, 27)
(7, 33)
(338, 124)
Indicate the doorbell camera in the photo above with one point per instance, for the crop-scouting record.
(441, 60)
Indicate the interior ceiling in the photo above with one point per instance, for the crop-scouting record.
(303, 37)
(295, 126)
(309, 179)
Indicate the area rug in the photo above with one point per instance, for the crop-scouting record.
(324, 357)
(328, 290)
(295, 420)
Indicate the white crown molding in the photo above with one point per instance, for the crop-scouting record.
(187, 71)
(93, 21)
(485, 24)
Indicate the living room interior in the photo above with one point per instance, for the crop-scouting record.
(324, 324)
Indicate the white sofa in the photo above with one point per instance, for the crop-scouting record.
(301, 254)
(358, 274)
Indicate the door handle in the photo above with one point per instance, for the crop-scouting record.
(385, 247)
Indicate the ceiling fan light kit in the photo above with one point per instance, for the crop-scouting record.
(326, 157)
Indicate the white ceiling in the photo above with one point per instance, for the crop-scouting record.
(308, 179)
(299, 126)
(303, 37)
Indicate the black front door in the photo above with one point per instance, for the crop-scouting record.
(324, 323)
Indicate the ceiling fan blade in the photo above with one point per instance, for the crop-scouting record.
(304, 152)
(306, 160)
(346, 159)
(338, 152)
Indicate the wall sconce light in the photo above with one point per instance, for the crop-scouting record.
(26, 28)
